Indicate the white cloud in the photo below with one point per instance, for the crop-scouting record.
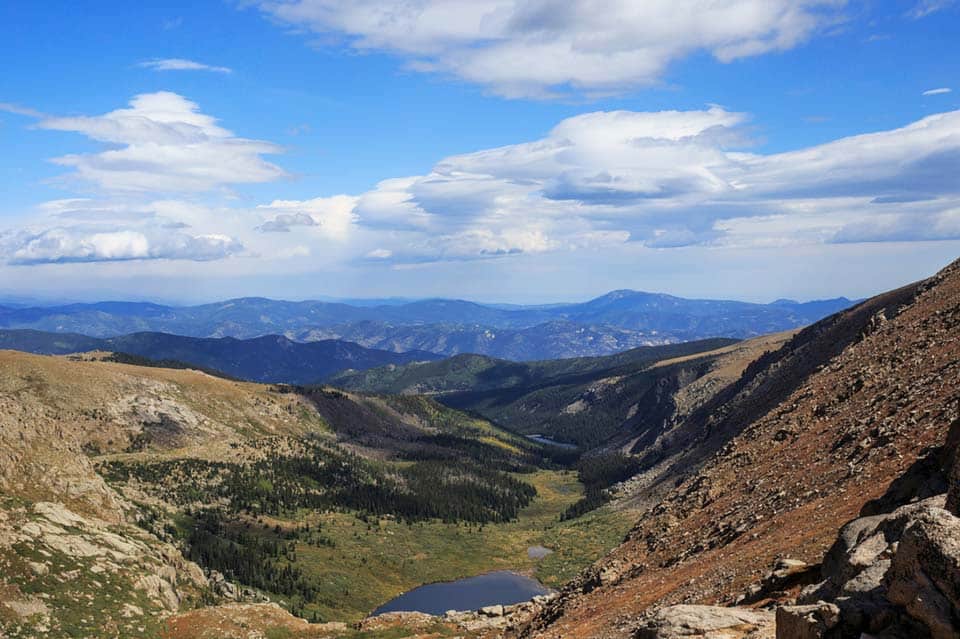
(162, 143)
(541, 47)
(923, 8)
(179, 64)
(111, 230)
(940, 91)
(16, 109)
(597, 179)
(597, 183)
(665, 180)
(333, 217)
(79, 244)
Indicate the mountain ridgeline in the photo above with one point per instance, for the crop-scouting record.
(614, 322)
(589, 402)
(272, 358)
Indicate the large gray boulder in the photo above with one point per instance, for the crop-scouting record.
(924, 576)
(707, 622)
(861, 546)
(891, 575)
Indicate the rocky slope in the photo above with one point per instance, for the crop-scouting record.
(775, 464)
(73, 562)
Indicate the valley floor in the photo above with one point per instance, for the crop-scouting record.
(371, 561)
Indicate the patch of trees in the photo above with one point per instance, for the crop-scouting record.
(252, 556)
(598, 473)
(313, 476)
(445, 447)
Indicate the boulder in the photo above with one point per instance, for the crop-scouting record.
(813, 621)
(924, 576)
(492, 611)
(707, 622)
(861, 545)
(891, 575)
(222, 587)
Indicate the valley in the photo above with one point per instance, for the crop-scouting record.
(164, 498)
(323, 501)
(480, 319)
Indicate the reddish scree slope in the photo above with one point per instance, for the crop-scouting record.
(781, 483)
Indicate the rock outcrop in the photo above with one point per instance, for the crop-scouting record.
(893, 575)
(706, 622)
(924, 576)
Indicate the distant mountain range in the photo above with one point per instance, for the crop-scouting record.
(612, 323)
(272, 358)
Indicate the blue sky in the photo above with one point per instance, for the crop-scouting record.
(490, 149)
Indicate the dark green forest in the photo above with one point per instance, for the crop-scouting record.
(597, 473)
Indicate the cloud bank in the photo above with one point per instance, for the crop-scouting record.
(541, 48)
(600, 181)
(79, 244)
(671, 179)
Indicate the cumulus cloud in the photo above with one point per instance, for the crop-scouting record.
(83, 244)
(333, 216)
(599, 183)
(179, 64)
(666, 180)
(901, 227)
(162, 143)
(940, 91)
(597, 179)
(76, 230)
(542, 47)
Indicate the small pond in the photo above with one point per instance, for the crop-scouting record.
(472, 593)
(540, 439)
